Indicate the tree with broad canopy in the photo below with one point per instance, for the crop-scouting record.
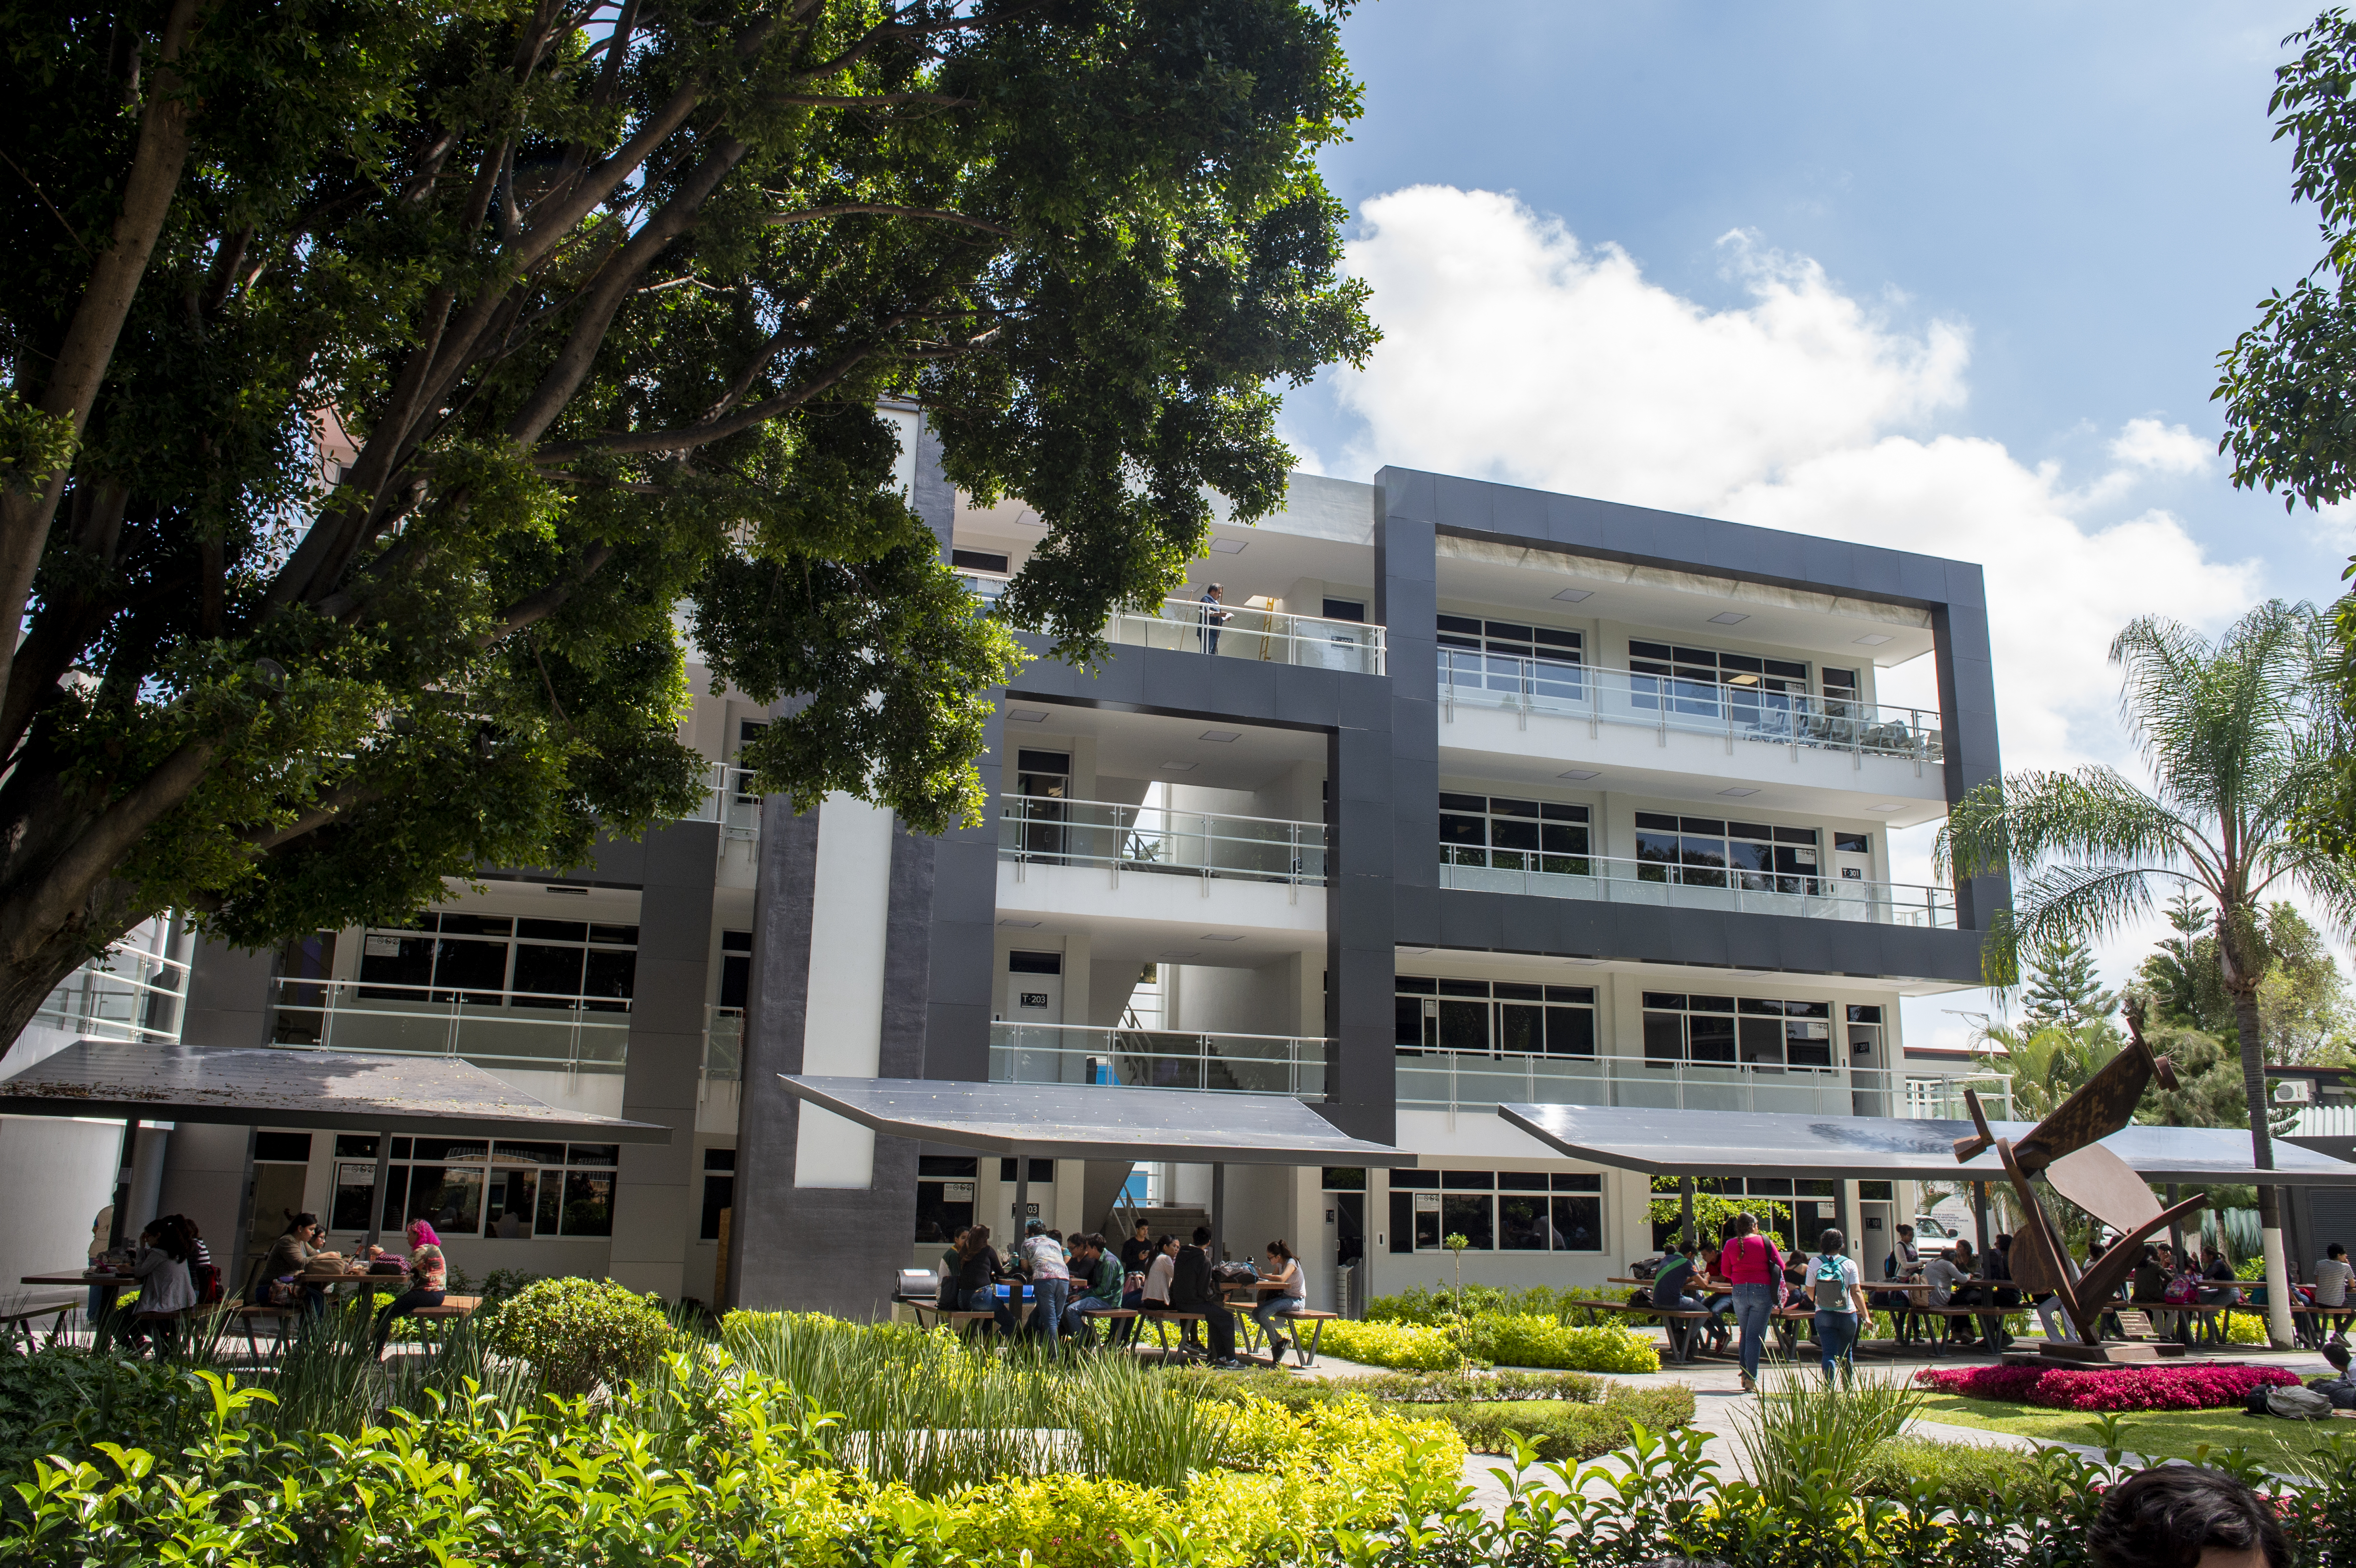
(394, 389)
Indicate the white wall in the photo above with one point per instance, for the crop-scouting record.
(61, 1173)
(844, 1032)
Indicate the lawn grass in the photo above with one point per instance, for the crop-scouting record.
(2163, 1433)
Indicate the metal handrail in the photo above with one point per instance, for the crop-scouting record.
(1452, 1081)
(729, 800)
(484, 1027)
(105, 999)
(1601, 694)
(1047, 830)
(1219, 1061)
(723, 1044)
(1191, 625)
(1618, 880)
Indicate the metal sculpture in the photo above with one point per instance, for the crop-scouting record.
(2065, 1149)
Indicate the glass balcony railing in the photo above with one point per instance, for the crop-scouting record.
(520, 1030)
(729, 800)
(1043, 831)
(1614, 880)
(1159, 1058)
(724, 1044)
(1232, 630)
(1480, 1082)
(128, 995)
(1662, 702)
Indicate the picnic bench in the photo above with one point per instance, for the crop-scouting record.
(19, 1323)
(1305, 1352)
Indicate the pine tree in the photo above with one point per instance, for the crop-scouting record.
(2063, 990)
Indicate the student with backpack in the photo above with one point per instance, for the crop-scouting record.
(1751, 1266)
(1839, 1301)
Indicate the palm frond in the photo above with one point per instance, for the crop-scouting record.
(2082, 900)
(2327, 880)
(2219, 725)
(2092, 814)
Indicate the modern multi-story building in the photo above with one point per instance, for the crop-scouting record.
(1458, 793)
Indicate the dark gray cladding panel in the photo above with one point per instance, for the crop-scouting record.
(278, 1085)
(1586, 928)
(1758, 1143)
(1082, 1121)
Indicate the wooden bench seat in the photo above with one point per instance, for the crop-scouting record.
(1305, 1353)
(1162, 1320)
(959, 1319)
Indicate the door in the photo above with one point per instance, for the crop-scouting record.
(1043, 781)
(277, 1192)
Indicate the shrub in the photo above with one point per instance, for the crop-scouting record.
(1564, 1431)
(1909, 1467)
(1392, 1345)
(1534, 1341)
(580, 1333)
(1455, 1388)
(2109, 1388)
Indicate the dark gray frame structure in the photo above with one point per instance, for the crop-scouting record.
(1383, 770)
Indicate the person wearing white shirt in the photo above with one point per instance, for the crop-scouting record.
(2331, 1277)
(161, 1268)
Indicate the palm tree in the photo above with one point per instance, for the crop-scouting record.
(2233, 735)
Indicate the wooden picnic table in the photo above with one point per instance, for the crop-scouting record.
(111, 1285)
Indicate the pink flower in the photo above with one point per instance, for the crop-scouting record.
(2206, 1387)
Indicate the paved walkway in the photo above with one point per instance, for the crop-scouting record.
(1718, 1403)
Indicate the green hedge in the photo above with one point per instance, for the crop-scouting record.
(1522, 1341)
(578, 1334)
(1560, 1431)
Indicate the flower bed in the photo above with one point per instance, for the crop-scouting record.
(2109, 1388)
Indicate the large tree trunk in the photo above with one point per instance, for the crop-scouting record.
(2279, 1328)
(40, 965)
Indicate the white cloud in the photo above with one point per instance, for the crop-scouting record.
(2165, 449)
(1512, 351)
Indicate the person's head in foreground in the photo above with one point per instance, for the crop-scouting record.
(2186, 1515)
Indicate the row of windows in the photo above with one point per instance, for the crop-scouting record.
(1485, 1017)
(1725, 1030)
(486, 959)
(1514, 835)
(1500, 1210)
(467, 1187)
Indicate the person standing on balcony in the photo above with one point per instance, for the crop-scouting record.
(1212, 614)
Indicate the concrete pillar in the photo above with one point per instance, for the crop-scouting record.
(654, 1217)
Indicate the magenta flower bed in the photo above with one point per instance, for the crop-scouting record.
(2110, 1388)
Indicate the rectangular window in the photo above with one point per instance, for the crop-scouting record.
(978, 560)
(1471, 1218)
(1853, 843)
(498, 962)
(1503, 1017)
(1344, 610)
(1519, 1211)
(1343, 1178)
(1042, 1171)
(1512, 660)
(1509, 835)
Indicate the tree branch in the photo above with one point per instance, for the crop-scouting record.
(809, 214)
(870, 101)
(687, 436)
(331, 805)
(549, 599)
(92, 857)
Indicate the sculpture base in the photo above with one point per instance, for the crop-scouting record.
(2109, 1354)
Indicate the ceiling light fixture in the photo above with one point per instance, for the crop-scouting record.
(1883, 805)
(1027, 716)
(1207, 938)
(1221, 736)
(1020, 925)
(1577, 773)
(1573, 595)
(1872, 640)
(1178, 767)
(1186, 958)
(1738, 794)
(555, 888)
(1728, 618)
(1229, 546)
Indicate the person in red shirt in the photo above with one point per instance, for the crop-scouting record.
(1752, 1265)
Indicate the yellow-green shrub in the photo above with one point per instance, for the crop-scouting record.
(1392, 1345)
(1533, 1341)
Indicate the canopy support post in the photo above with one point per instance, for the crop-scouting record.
(376, 1193)
(1685, 1211)
(1980, 1215)
(123, 1182)
(1218, 1213)
(1022, 1198)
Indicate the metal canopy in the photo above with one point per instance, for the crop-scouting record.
(1743, 1143)
(276, 1085)
(1080, 1121)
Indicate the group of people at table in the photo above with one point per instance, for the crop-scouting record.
(1069, 1280)
(1750, 1277)
(175, 1274)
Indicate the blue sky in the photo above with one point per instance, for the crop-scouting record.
(1945, 278)
(2090, 188)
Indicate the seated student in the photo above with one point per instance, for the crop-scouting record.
(1949, 1278)
(2149, 1286)
(2331, 1280)
(1192, 1290)
(1158, 1268)
(2339, 1389)
(427, 1275)
(951, 1262)
(1096, 1284)
(976, 1277)
(161, 1268)
(1289, 1295)
(1997, 1268)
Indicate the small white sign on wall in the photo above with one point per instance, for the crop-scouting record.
(381, 946)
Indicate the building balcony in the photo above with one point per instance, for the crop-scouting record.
(1271, 637)
(1650, 882)
(1159, 1058)
(1477, 1082)
(128, 995)
(516, 1030)
(1086, 861)
(1667, 731)
(729, 800)
(724, 1044)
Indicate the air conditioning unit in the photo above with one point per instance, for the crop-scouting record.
(2294, 1090)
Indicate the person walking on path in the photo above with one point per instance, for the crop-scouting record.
(1839, 1301)
(1751, 1266)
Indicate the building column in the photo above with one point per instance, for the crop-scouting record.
(654, 1213)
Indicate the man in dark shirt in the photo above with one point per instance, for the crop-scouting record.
(1192, 1290)
(1138, 1251)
